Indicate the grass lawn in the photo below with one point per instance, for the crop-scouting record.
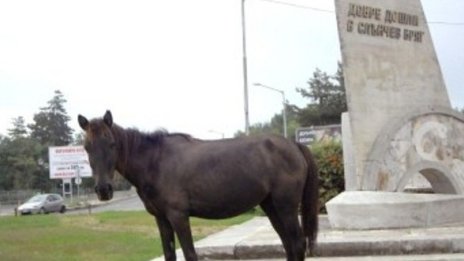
(104, 236)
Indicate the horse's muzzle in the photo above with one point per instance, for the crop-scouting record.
(104, 191)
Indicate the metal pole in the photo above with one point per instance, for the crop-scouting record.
(78, 181)
(284, 103)
(284, 114)
(245, 78)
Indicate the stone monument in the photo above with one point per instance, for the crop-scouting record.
(399, 121)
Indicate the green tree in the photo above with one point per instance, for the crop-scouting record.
(19, 163)
(24, 157)
(328, 97)
(6, 179)
(50, 125)
(19, 129)
(50, 128)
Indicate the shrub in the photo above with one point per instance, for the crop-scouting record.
(329, 160)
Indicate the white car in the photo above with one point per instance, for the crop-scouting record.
(43, 204)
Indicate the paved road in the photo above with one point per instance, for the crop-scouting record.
(122, 204)
(126, 203)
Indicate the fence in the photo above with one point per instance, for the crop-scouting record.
(14, 197)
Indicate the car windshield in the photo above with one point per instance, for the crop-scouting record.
(38, 198)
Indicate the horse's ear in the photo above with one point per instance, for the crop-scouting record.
(108, 118)
(83, 122)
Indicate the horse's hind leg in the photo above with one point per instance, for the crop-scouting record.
(284, 218)
(278, 226)
(295, 235)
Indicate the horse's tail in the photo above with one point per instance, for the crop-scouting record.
(310, 201)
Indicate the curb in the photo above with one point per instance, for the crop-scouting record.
(255, 239)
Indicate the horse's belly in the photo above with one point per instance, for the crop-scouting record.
(219, 212)
(224, 204)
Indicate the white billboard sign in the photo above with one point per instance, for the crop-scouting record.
(68, 162)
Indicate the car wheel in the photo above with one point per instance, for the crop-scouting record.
(42, 211)
(63, 209)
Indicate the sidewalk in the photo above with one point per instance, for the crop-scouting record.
(256, 239)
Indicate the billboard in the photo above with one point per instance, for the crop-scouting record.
(310, 135)
(68, 162)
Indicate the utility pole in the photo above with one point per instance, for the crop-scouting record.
(245, 77)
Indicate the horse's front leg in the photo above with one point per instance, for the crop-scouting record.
(167, 238)
(180, 222)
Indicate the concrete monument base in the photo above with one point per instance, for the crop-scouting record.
(378, 210)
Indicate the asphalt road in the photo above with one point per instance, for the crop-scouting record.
(122, 204)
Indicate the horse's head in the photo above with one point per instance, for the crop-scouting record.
(100, 145)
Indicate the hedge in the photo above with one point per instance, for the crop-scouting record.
(329, 160)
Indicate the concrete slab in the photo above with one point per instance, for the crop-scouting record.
(256, 239)
(376, 210)
(441, 257)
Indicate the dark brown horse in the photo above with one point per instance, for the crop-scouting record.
(177, 176)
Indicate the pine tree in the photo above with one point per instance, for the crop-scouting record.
(50, 125)
(329, 99)
(19, 128)
(50, 128)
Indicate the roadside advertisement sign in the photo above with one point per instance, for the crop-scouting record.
(68, 162)
(310, 135)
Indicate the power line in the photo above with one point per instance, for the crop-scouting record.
(299, 6)
(332, 12)
(446, 23)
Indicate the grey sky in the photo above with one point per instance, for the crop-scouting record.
(178, 64)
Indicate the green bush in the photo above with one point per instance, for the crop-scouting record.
(329, 160)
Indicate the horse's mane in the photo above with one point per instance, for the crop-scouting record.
(156, 137)
(137, 138)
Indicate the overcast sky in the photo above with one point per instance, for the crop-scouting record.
(177, 64)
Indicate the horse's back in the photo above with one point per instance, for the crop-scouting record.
(226, 177)
(259, 155)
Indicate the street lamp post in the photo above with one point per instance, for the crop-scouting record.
(245, 78)
(284, 110)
